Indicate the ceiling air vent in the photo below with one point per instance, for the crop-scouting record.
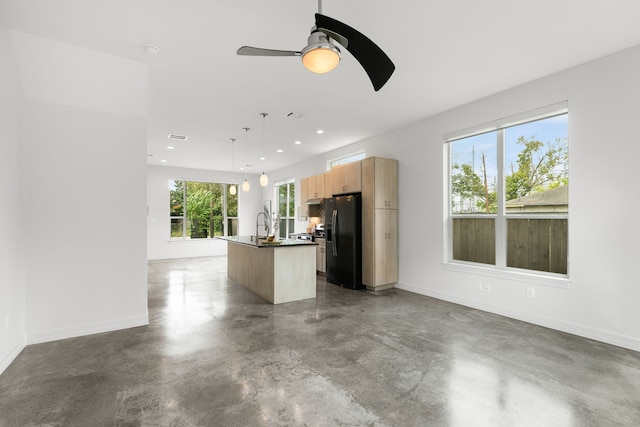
(177, 137)
(294, 114)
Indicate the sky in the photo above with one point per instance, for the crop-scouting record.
(470, 150)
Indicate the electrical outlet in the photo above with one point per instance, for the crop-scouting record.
(531, 292)
(487, 288)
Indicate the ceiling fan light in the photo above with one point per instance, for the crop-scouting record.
(264, 180)
(320, 56)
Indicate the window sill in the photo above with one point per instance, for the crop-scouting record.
(554, 281)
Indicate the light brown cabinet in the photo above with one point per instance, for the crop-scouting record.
(304, 196)
(316, 186)
(346, 178)
(385, 254)
(379, 223)
(327, 185)
(321, 256)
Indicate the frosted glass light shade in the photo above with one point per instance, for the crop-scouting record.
(321, 59)
(264, 180)
(232, 190)
(245, 185)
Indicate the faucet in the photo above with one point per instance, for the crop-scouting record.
(266, 225)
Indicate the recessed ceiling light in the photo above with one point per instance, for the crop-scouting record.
(241, 168)
(297, 142)
(151, 49)
(169, 147)
(280, 150)
(263, 158)
(163, 161)
(319, 131)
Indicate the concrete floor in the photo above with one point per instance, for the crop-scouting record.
(215, 354)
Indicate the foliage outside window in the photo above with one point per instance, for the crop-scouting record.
(200, 210)
(286, 197)
(509, 196)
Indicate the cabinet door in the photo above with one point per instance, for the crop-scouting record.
(316, 186)
(327, 185)
(319, 186)
(337, 180)
(386, 246)
(386, 183)
(353, 177)
(347, 178)
(304, 195)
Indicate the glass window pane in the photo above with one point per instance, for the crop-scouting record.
(537, 244)
(176, 198)
(474, 173)
(232, 227)
(292, 198)
(474, 240)
(537, 167)
(282, 200)
(232, 203)
(199, 209)
(176, 227)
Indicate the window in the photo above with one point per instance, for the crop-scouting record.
(346, 159)
(509, 194)
(200, 210)
(286, 196)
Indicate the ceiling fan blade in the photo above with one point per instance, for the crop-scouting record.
(374, 61)
(258, 51)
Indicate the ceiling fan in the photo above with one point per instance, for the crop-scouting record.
(321, 55)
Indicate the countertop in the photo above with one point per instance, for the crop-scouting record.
(246, 240)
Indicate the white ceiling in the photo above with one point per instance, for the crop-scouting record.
(447, 53)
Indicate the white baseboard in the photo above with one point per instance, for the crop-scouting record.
(81, 330)
(608, 337)
(14, 351)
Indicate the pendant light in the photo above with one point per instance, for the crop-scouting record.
(245, 184)
(232, 188)
(264, 180)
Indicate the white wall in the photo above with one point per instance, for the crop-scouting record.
(159, 246)
(85, 212)
(12, 248)
(601, 300)
(83, 138)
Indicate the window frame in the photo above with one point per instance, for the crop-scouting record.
(501, 217)
(184, 216)
(349, 158)
(290, 207)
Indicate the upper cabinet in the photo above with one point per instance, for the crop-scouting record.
(316, 186)
(346, 178)
(382, 174)
(304, 192)
(327, 185)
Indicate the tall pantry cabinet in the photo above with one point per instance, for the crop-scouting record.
(379, 223)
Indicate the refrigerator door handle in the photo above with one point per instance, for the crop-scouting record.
(334, 223)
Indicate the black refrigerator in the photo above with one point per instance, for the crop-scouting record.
(343, 231)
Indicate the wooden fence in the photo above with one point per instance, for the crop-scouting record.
(533, 244)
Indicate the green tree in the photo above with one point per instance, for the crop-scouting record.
(199, 198)
(469, 186)
(539, 167)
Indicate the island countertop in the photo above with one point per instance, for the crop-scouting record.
(279, 275)
(246, 240)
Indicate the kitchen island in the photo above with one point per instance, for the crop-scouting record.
(279, 272)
